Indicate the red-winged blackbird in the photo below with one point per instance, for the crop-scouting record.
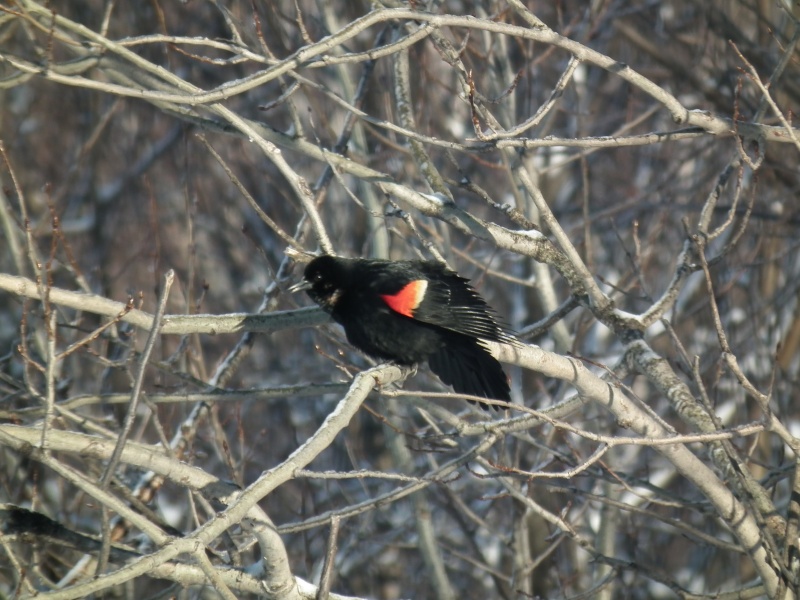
(412, 311)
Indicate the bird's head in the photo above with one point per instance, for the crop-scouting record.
(324, 279)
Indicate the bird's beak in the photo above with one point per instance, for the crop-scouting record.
(301, 285)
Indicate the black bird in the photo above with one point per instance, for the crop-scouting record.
(413, 311)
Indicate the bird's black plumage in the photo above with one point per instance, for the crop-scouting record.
(410, 312)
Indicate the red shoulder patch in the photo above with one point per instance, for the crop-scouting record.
(408, 298)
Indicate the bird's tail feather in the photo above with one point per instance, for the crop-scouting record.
(467, 365)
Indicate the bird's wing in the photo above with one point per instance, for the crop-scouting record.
(445, 299)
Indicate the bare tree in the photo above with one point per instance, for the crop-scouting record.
(620, 181)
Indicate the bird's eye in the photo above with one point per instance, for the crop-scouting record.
(317, 276)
